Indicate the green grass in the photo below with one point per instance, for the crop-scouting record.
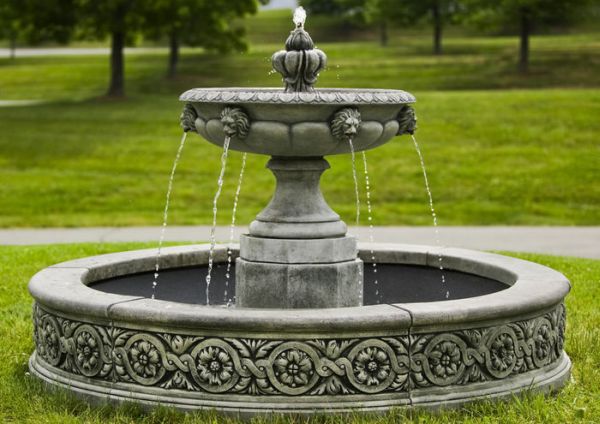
(501, 148)
(24, 400)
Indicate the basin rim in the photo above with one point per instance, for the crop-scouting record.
(273, 95)
(533, 289)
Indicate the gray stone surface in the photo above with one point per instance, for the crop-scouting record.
(297, 251)
(298, 124)
(333, 343)
(298, 209)
(297, 286)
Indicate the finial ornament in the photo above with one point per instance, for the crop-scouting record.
(300, 63)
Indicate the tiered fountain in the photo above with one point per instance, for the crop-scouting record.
(307, 333)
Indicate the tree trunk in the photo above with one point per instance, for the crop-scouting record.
(173, 55)
(437, 27)
(383, 33)
(524, 45)
(13, 46)
(117, 65)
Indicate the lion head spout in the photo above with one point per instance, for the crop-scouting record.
(235, 122)
(345, 123)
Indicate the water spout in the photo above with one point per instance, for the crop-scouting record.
(299, 17)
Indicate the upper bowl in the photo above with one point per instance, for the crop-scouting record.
(270, 121)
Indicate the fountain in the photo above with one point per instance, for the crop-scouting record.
(309, 332)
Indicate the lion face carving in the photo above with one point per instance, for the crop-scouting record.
(235, 122)
(345, 123)
(407, 121)
(188, 118)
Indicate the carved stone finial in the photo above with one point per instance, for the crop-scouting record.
(300, 63)
(188, 117)
(235, 122)
(407, 121)
(345, 123)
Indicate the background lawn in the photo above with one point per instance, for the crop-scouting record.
(24, 400)
(501, 148)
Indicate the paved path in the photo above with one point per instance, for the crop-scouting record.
(76, 51)
(569, 241)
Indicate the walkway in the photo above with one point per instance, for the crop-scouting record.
(569, 241)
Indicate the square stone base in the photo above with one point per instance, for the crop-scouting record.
(272, 285)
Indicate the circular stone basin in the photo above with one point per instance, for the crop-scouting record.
(298, 124)
(500, 332)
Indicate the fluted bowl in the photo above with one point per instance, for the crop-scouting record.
(296, 124)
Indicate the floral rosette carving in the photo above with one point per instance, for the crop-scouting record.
(48, 345)
(293, 370)
(503, 356)
(445, 357)
(214, 367)
(543, 342)
(88, 345)
(141, 359)
(372, 366)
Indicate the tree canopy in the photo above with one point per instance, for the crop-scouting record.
(524, 16)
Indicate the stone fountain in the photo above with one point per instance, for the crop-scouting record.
(306, 334)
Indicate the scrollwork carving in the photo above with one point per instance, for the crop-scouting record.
(312, 367)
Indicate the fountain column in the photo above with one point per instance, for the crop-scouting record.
(297, 253)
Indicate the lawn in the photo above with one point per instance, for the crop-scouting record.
(24, 400)
(501, 148)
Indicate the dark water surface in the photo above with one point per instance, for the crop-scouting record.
(396, 284)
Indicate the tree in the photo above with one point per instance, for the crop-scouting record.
(11, 23)
(34, 21)
(119, 19)
(438, 12)
(383, 12)
(205, 23)
(523, 16)
(370, 12)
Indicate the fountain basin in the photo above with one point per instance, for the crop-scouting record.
(430, 353)
(298, 124)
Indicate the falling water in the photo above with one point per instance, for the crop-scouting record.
(370, 221)
(213, 241)
(356, 195)
(433, 214)
(232, 227)
(166, 214)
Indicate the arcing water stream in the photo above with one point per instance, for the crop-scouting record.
(370, 221)
(166, 213)
(433, 214)
(213, 228)
(356, 194)
(232, 228)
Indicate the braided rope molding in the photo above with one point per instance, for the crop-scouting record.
(315, 367)
(276, 95)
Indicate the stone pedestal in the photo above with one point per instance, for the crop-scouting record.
(297, 254)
